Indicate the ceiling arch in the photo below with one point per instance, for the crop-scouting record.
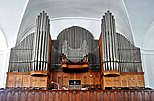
(82, 9)
(138, 20)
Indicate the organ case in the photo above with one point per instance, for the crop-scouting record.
(77, 60)
(120, 59)
(30, 59)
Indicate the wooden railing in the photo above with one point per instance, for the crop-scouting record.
(76, 95)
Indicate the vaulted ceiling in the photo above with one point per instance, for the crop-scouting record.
(134, 19)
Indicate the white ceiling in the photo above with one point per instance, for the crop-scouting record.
(134, 18)
(71, 12)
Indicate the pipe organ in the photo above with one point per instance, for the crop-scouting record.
(30, 59)
(120, 59)
(75, 60)
(118, 52)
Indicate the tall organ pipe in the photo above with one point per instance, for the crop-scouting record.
(118, 52)
(109, 42)
(32, 53)
(41, 40)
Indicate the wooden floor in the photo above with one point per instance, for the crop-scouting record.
(76, 95)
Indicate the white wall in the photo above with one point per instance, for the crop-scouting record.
(91, 24)
(147, 51)
(4, 57)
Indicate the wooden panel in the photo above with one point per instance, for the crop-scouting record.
(26, 81)
(140, 81)
(22, 79)
(116, 81)
(101, 53)
(34, 81)
(43, 81)
(124, 81)
(71, 76)
(97, 78)
(87, 78)
(65, 81)
(77, 76)
(100, 48)
(54, 76)
(18, 80)
(38, 72)
(75, 67)
(102, 69)
(84, 78)
(132, 82)
(90, 78)
(102, 83)
(10, 81)
(108, 82)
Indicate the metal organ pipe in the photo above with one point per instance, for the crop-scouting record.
(109, 42)
(118, 52)
(41, 47)
(20, 56)
(32, 53)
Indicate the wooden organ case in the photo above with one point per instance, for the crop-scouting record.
(77, 52)
(75, 61)
(120, 60)
(30, 59)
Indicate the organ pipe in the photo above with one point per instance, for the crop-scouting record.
(109, 42)
(41, 40)
(32, 53)
(75, 42)
(21, 55)
(118, 52)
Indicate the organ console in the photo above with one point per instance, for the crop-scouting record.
(76, 60)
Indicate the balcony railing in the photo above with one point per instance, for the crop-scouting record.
(76, 95)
